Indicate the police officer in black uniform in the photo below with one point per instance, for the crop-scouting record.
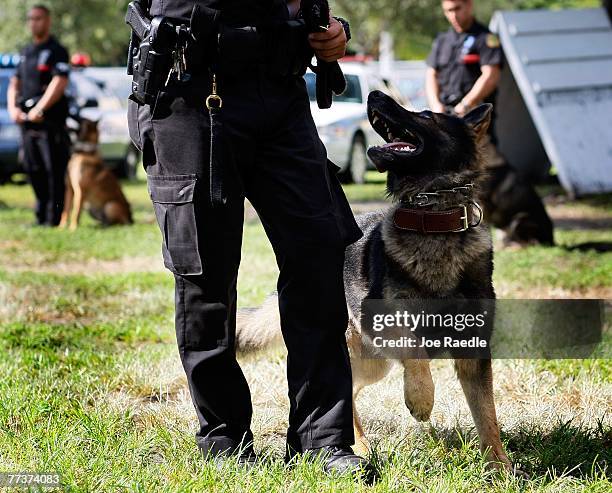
(233, 121)
(37, 101)
(464, 62)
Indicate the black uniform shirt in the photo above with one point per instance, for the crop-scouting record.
(38, 64)
(457, 58)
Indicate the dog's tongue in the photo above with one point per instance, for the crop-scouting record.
(400, 146)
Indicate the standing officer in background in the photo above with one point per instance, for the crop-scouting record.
(464, 63)
(232, 120)
(37, 102)
(464, 68)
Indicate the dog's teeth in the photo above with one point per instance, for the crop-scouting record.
(375, 119)
(389, 136)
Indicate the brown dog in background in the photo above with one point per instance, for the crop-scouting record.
(89, 181)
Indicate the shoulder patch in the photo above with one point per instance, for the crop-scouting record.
(62, 67)
(492, 40)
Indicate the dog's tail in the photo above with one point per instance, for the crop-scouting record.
(258, 328)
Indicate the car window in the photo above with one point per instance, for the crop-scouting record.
(85, 88)
(119, 87)
(351, 95)
(114, 80)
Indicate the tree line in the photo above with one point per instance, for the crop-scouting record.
(97, 26)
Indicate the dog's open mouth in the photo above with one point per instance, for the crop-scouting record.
(399, 140)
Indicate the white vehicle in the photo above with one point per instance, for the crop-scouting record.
(344, 128)
(114, 87)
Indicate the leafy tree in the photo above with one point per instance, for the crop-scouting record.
(97, 26)
(92, 26)
(414, 23)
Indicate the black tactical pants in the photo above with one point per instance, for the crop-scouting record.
(272, 155)
(46, 150)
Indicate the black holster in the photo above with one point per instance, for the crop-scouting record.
(161, 46)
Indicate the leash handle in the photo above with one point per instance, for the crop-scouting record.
(214, 104)
(214, 97)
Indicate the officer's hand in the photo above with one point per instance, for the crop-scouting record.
(18, 116)
(461, 109)
(438, 108)
(35, 116)
(329, 45)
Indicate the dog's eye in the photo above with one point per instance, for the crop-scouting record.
(427, 114)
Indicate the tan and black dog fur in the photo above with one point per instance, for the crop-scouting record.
(89, 181)
(425, 151)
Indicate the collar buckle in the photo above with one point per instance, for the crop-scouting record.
(465, 225)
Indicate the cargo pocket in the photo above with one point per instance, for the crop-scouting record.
(173, 200)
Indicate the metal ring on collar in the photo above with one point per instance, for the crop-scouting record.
(480, 213)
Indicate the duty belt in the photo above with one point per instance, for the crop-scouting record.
(281, 48)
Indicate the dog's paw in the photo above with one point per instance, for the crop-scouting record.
(519, 473)
(419, 401)
(421, 411)
(502, 463)
(418, 389)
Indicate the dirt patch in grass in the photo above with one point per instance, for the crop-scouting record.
(516, 290)
(357, 207)
(571, 215)
(95, 266)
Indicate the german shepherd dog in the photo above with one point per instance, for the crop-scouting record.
(512, 204)
(89, 181)
(425, 152)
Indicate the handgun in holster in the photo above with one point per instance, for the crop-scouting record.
(159, 47)
(329, 74)
(151, 52)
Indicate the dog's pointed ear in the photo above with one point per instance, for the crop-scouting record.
(479, 119)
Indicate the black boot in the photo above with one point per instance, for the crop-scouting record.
(339, 460)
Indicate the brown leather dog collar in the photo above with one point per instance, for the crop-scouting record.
(85, 147)
(455, 220)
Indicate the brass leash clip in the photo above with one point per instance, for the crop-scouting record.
(214, 96)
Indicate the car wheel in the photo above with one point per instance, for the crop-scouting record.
(358, 160)
(130, 163)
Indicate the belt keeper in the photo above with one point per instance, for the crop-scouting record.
(422, 222)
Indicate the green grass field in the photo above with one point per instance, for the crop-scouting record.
(92, 387)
